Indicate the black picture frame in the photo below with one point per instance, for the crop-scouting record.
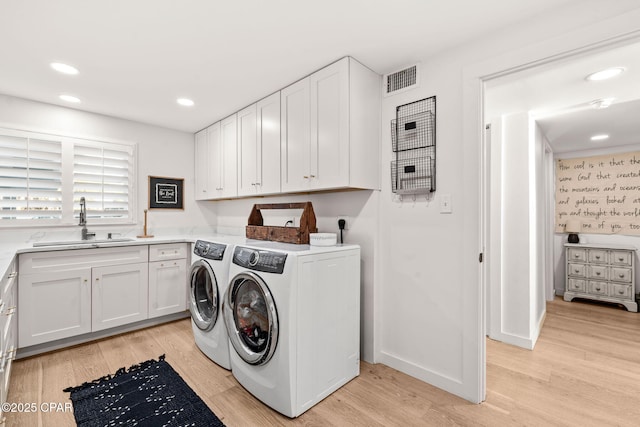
(166, 193)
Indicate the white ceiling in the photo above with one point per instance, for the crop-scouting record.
(137, 56)
(559, 96)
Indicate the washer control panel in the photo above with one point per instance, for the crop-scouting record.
(259, 260)
(209, 250)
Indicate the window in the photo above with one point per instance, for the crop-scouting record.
(43, 177)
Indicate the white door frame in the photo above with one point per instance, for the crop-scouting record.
(587, 39)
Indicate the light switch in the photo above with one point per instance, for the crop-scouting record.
(445, 203)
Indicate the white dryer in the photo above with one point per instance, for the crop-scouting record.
(209, 276)
(293, 317)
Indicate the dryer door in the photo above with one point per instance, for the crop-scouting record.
(204, 295)
(251, 318)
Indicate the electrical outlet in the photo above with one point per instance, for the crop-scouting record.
(347, 221)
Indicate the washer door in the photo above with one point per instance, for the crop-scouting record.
(204, 295)
(251, 318)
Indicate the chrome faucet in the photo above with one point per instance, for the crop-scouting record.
(83, 220)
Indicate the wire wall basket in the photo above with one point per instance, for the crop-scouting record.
(413, 140)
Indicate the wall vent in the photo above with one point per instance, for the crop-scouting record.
(401, 81)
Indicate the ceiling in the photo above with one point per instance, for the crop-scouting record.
(136, 57)
(559, 97)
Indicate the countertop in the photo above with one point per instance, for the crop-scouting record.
(8, 251)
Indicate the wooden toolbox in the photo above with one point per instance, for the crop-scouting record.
(297, 235)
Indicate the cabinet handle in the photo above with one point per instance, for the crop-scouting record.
(220, 188)
(305, 177)
(313, 176)
(597, 256)
(175, 263)
(576, 286)
(620, 259)
(97, 279)
(621, 275)
(597, 273)
(577, 255)
(621, 292)
(577, 271)
(13, 274)
(597, 289)
(10, 311)
(161, 265)
(257, 183)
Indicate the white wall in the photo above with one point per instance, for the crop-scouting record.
(161, 152)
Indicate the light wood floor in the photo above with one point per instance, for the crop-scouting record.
(585, 370)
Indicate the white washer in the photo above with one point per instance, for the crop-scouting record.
(293, 317)
(209, 276)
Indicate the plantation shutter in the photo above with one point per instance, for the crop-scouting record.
(101, 174)
(30, 178)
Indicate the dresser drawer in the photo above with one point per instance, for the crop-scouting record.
(598, 288)
(617, 290)
(576, 270)
(621, 258)
(599, 272)
(576, 254)
(598, 256)
(620, 274)
(576, 285)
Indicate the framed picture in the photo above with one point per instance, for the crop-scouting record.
(166, 193)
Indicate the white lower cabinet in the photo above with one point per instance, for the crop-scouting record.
(67, 293)
(167, 282)
(54, 305)
(8, 328)
(119, 295)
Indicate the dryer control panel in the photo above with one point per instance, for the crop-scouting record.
(209, 250)
(259, 260)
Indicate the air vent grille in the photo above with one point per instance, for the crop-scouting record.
(401, 80)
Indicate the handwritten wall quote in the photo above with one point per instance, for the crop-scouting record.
(602, 192)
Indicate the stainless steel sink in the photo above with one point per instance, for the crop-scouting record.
(82, 242)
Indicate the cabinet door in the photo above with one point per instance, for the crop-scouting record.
(215, 160)
(53, 306)
(167, 285)
(202, 165)
(329, 145)
(229, 166)
(295, 136)
(119, 295)
(247, 151)
(268, 151)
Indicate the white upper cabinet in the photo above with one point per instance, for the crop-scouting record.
(330, 129)
(259, 147)
(228, 152)
(295, 136)
(202, 179)
(320, 133)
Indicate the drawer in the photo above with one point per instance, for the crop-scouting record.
(620, 274)
(598, 288)
(621, 258)
(167, 251)
(575, 254)
(617, 290)
(576, 270)
(576, 285)
(599, 272)
(598, 256)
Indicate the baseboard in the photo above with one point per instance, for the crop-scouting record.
(92, 336)
(444, 382)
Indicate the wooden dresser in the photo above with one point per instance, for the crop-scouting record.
(601, 272)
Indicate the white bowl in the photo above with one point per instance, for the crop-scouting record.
(323, 239)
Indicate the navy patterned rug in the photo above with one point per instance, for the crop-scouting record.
(149, 394)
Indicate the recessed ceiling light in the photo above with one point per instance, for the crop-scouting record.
(599, 104)
(70, 98)
(600, 137)
(605, 74)
(185, 102)
(64, 68)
